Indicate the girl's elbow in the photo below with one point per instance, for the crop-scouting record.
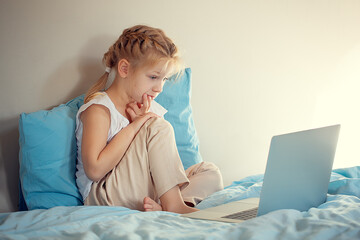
(93, 177)
(93, 174)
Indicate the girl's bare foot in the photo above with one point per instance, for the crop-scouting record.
(172, 201)
(151, 205)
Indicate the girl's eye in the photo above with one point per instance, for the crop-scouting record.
(153, 77)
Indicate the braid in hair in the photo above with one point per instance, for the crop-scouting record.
(139, 45)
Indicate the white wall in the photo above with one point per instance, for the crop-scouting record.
(260, 68)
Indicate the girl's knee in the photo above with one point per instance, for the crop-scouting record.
(208, 166)
(159, 122)
(211, 166)
(156, 125)
(214, 174)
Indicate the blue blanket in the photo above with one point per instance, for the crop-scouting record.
(337, 218)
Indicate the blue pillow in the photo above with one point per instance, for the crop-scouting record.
(176, 99)
(48, 149)
(47, 157)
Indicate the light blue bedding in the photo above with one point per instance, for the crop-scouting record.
(337, 218)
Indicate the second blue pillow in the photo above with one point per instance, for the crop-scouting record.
(175, 98)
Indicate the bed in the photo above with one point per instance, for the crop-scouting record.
(50, 206)
(337, 218)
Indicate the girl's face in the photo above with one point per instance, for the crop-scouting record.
(147, 80)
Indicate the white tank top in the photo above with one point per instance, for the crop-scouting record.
(117, 122)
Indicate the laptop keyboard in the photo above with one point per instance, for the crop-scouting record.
(243, 215)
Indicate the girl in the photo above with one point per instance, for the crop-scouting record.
(127, 154)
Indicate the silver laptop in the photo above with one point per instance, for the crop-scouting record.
(297, 176)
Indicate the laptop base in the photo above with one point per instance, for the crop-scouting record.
(220, 213)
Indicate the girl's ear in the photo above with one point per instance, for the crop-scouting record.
(123, 68)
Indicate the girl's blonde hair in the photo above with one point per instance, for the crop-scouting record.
(140, 46)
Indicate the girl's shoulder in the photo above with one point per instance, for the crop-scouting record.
(97, 98)
(100, 100)
(98, 110)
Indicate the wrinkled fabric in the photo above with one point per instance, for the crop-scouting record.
(337, 218)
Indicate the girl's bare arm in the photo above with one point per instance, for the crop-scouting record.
(99, 157)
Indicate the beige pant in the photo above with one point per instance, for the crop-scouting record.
(150, 167)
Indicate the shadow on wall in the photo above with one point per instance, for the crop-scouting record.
(84, 70)
(9, 165)
(80, 72)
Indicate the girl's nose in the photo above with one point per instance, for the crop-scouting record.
(159, 87)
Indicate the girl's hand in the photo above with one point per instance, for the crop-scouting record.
(139, 113)
(138, 110)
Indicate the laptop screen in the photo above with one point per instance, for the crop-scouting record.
(298, 169)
